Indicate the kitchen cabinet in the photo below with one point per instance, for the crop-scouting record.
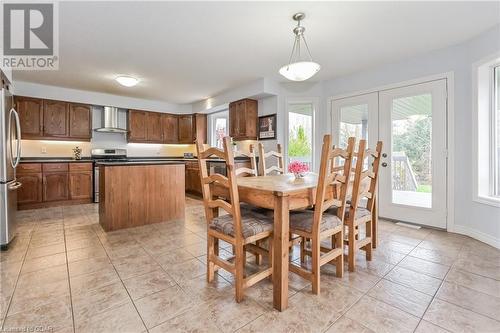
(80, 121)
(55, 118)
(200, 128)
(53, 184)
(137, 126)
(31, 116)
(80, 181)
(153, 127)
(243, 119)
(185, 124)
(169, 128)
(193, 181)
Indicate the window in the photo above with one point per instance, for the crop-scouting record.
(487, 138)
(300, 133)
(219, 128)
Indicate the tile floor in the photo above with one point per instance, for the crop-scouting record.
(63, 273)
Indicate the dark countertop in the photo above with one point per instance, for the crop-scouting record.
(129, 163)
(130, 159)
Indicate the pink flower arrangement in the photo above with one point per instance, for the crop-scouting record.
(298, 168)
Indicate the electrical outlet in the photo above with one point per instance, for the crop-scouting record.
(44, 150)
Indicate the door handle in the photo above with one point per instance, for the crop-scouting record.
(384, 164)
(15, 186)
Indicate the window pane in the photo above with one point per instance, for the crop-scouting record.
(496, 142)
(300, 133)
(220, 131)
(411, 150)
(353, 122)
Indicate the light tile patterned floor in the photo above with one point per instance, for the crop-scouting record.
(64, 273)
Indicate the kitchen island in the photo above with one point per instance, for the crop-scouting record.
(135, 193)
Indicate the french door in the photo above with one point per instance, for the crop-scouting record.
(411, 123)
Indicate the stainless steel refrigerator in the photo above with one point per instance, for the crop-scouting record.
(10, 154)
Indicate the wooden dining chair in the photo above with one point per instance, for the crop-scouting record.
(316, 225)
(240, 227)
(252, 156)
(279, 168)
(360, 209)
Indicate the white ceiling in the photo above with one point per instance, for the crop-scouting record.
(187, 51)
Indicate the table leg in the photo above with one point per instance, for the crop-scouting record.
(374, 224)
(281, 253)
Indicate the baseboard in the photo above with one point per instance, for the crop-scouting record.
(480, 236)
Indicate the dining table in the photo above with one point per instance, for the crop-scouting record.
(281, 193)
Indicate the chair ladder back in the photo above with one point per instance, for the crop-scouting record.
(328, 176)
(232, 207)
(374, 180)
(252, 171)
(280, 168)
(358, 177)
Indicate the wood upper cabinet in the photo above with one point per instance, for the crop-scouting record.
(243, 119)
(153, 127)
(169, 128)
(200, 127)
(185, 124)
(55, 186)
(80, 121)
(137, 126)
(55, 118)
(31, 116)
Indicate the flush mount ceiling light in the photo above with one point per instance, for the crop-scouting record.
(127, 81)
(299, 69)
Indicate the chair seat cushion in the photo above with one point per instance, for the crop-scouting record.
(303, 221)
(360, 211)
(252, 223)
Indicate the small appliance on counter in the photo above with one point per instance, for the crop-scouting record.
(10, 154)
(188, 155)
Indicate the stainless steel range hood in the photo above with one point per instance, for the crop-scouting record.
(110, 121)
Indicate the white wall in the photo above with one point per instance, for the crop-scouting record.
(478, 220)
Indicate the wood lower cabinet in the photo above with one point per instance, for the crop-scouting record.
(54, 184)
(31, 116)
(31, 190)
(243, 119)
(193, 181)
(80, 121)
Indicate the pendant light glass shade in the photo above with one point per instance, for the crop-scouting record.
(299, 69)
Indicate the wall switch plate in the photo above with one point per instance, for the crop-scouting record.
(44, 150)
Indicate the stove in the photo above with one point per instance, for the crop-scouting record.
(105, 155)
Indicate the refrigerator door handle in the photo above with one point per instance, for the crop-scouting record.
(13, 113)
(15, 186)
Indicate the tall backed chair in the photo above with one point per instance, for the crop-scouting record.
(361, 209)
(279, 168)
(240, 227)
(252, 171)
(317, 225)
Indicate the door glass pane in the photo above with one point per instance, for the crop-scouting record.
(411, 150)
(220, 131)
(353, 122)
(300, 133)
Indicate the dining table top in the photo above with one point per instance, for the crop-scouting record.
(280, 184)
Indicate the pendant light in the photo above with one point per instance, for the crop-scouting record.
(297, 68)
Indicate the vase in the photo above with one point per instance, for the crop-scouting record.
(299, 175)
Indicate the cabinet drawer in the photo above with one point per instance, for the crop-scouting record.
(55, 167)
(80, 167)
(29, 168)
